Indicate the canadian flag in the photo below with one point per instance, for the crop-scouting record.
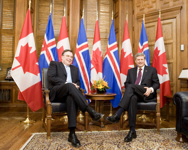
(96, 59)
(160, 63)
(63, 41)
(126, 61)
(25, 69)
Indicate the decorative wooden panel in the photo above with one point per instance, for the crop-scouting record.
(6, 36)
(58, 13)
(104, 18)
(43, 12)
(146, 6)
(91, 17)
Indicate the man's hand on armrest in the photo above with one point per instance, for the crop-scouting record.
(148, 91)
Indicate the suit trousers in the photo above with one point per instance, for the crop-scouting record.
(132, 95)
(73, 98)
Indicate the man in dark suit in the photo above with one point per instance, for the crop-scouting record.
(141, 85)
(64, 85)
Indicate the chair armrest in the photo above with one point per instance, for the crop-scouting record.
(46, 94)
(180, 99)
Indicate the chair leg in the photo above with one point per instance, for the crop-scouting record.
(49, 118)
(158, 121)
(43, 115)
(86, 121)
(121, 121)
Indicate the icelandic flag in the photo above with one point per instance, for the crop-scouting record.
(143, 44)
(48, 51)
(82, 58)
(111, 67)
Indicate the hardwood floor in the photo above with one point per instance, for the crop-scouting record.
(14, 134)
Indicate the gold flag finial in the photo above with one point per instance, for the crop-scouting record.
(127, 16)
(97, 10)
(83, 13)
(144, 18)
(159, 13)
(30, 4)
(64, 11)
(51, 8)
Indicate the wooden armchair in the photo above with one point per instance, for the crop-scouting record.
(54, 108)
(144, 108)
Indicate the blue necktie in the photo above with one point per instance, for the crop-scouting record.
(69, 79)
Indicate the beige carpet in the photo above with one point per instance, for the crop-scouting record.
(108, 140)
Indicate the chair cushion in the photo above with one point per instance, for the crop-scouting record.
(185, 123)
(58, 107)
(147, 106)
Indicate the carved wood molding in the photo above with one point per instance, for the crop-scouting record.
(166, 13)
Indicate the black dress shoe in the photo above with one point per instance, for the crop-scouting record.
(96, 116)
(73, 139)
(113, 119)
(130, 136)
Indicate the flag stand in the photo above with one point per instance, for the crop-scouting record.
(27, 120)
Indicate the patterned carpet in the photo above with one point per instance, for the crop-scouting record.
(107, 140)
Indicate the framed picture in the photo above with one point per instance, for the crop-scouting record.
(8, 75)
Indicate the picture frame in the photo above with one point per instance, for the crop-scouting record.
(8, 75)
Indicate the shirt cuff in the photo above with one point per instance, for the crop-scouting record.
(152, 90)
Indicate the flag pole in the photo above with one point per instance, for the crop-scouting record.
(159, 13)
(50, 8)
(127, 17)
(80, 115)
(29, 4)
(64, 11)
(144, 18)
(28, 120)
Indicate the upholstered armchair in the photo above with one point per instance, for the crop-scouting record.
(180, 99)
(145, 108)
(54, 108)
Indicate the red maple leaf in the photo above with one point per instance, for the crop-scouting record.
(28, 61)
(97, 60)
(159, 61)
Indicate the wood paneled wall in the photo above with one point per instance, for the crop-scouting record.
(173, 13)
(173, 18)
(6, 35)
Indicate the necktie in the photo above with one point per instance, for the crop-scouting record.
(139, 77)
(69, 79)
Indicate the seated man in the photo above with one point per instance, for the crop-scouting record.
(64, 85)
(141, 85)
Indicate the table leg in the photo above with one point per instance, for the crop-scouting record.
(101, 111)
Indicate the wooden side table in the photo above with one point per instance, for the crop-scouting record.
(99, 104)
(168, 100)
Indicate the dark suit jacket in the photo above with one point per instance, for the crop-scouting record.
(57, 76)
(149, 78)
